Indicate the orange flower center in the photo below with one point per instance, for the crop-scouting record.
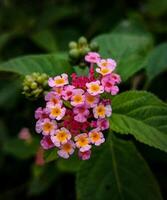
(95, 88)
(56, 111)
(47, 127)
(59, 81)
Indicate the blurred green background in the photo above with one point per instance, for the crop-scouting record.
(30, 27)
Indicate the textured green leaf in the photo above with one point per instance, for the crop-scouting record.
(46, 40)
(50, 155)
(156, 62)
(118, 172)
(51, 64)
(127, 49)
(71, 165)
(143, 115)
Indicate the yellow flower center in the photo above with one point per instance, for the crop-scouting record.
(59, 81)
(94, 88)
(47, 127)
(101, 111)
(95, 136)
(104, 64)
(82, 141)
(62, 136)
(56, 111)
(105, 71)
(78, 98)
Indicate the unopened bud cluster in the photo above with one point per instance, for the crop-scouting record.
(35, 85)
(78, 50)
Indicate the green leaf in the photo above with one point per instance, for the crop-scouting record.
(50, 155)
(4, 38)
(118, 172)
(156, 62)
(46, 40)
(128, 50)
(9, 89)
(71, 165)
(51, 64)
(21, 149)
(143, 115)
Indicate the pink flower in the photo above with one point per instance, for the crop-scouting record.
(108, 63)
(66, 149)
(91, 101)
(101, 111)
(67, 92)
(81, 113)
(96, 137)
(78, 97)
(25, 134)
(109, 86)
(41, 113)
(115, 78)
(53, 98)
(46, 126)
(46, 142)
(103, 124)
(94, 88)
(56, 111)
(82, 142)
(39, 160)
(84, 155)
(92, 57)
(58, 81)
(60, 136)
(58, 90)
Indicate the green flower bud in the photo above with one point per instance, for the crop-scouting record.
(82, 41)
(35, 85)
(74, 53)
(84, 51)
(94, 46)
(72, 45)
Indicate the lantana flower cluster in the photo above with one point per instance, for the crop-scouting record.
(76, 113)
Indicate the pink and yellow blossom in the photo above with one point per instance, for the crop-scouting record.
(60, 136)
(107, 63)
(78, 97)
(46, 126)
(94, 88)
(56, 111)
(96, 137)
(101, 111)
(82, 142)
(91, 101)
(66, 149)
(58, 81)
(92, 57)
